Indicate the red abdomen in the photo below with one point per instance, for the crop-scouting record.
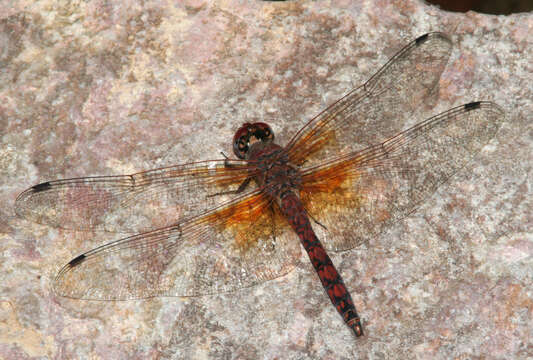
(295, 213)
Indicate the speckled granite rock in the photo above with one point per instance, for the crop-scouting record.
(102, 87)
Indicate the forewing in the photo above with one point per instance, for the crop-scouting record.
(239, 244)
(369, 190)
(133, 203)
(377, 110)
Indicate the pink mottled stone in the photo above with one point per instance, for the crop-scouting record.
(107, 87)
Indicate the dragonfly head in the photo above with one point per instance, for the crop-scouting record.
(248, 134)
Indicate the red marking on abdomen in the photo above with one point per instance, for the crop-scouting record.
(295, 214)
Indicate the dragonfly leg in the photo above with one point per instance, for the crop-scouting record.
(239, 190)
(241, 187)
(273, 221)
(316, 221)
(226, 161)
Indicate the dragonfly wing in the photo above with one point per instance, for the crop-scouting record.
(378, 109)
(132, 203)
(233, 246)
(369, 190)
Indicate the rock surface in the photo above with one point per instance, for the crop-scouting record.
(100, 87)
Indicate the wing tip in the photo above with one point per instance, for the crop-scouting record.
(472, 105)
(475, 105)
(41, 187)
(20, 207)
(423, 38)
(59, 284)
(77, 260)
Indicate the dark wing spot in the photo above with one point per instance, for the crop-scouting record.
(77, 260)
(41, 187)
(472, 106)
(421, 39)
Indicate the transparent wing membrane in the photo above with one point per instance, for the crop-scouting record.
(378, 109)
(132, 203)
(362, 170)
(369, 190)
(222, 250)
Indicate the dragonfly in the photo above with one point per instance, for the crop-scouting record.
(350, 173)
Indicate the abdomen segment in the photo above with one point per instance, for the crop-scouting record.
(293, 210)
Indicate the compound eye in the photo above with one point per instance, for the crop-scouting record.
(240, 147)
(264, 132)
(240, 140)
